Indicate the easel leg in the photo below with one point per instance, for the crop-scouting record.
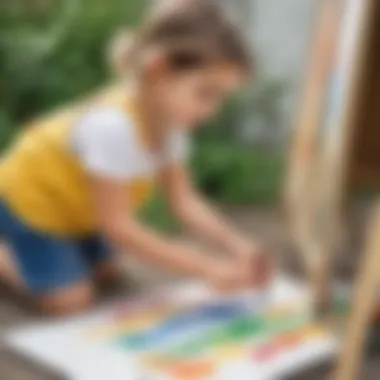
(318, 258)
(320, 281)
(362, 307)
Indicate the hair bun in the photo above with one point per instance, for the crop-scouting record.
(120, 51)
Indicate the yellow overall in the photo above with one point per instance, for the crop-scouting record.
(42, 181)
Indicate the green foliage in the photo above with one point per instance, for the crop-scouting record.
(157, 215)
(51, 52)
(237, 175)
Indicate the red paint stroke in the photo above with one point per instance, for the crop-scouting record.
(276, 346)
(266, 352)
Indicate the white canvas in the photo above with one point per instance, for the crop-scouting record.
(89, 348)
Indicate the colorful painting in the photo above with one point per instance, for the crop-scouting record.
(192, 343)
(191, 334)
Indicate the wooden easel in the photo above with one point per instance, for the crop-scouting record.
(301, 184)
(363, 305)
(332, 172)
(364, 173)
(319, 163)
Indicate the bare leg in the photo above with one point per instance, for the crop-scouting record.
(9, 274)
(69, 300)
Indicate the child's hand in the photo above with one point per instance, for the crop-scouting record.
(262, 268)
(259, 263)
(228, 276)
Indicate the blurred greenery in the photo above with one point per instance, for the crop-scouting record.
(53, 51)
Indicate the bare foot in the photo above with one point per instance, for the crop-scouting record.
(71, 300)
(109, 278)
(9, 274)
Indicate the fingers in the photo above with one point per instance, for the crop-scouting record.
(255, 271)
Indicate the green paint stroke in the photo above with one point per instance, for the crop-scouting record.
(241, 330)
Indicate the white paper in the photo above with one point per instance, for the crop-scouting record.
(84, 348)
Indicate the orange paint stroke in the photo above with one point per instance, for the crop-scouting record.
(195, 370)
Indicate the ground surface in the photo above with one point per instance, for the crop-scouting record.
(261, 223)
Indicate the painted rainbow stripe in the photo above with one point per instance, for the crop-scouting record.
(203, 368)
(240, 329)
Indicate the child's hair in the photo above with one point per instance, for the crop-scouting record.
(191, 32)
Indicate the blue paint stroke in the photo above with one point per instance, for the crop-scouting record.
(185, 322)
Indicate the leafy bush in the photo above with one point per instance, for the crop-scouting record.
(53, 51)
(157, 215)
(237, 175)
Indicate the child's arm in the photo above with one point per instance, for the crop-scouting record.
(188, 205)
(128, 234)
(105, 144)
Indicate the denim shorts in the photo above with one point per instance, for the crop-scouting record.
(47, 262)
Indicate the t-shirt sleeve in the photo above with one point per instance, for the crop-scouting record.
(178, 148)
(103, 143)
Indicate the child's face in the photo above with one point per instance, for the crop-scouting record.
(190, 98)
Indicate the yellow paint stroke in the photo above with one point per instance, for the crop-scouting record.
(313, 332)
(133, 323)
(129, 324)
(229, 353)
(280, 311)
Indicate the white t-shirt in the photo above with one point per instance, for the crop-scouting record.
(106, 142)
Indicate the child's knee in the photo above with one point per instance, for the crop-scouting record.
(72, 300)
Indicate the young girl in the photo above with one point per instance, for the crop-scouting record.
(76, 178)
